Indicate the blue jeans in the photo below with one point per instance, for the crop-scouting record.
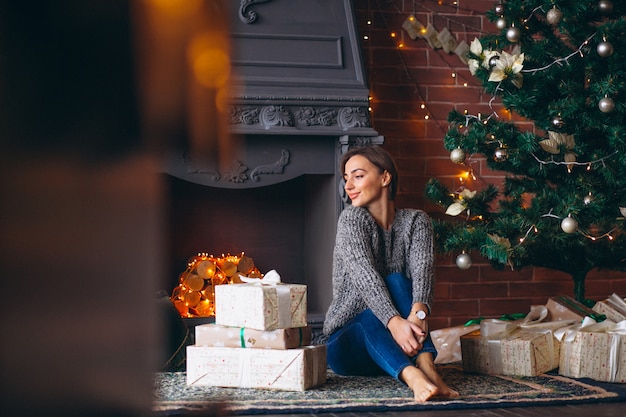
(364, 345)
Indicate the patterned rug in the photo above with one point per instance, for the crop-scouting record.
(367, 394)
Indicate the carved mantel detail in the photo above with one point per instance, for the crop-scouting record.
(271, 116)
(249, 16)
(238, 171)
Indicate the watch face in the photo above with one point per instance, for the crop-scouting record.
(421, 314)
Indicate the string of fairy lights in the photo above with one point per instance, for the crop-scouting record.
(417, 30)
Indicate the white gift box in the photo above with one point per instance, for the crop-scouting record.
(242, 337)
(287, 370)
(261, 306)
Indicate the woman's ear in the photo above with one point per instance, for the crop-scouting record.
(386, 178)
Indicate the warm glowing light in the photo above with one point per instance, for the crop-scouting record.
(465, 84)
(422, 106)
(366, 37)
(369, 22)
(393, 34)
(427, 117)
(209, 60)
(195, 295)
(178, 8)
(454, 75)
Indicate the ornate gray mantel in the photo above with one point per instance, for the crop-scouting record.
(300, 98)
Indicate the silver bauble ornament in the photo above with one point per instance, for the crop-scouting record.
(501, 23)
(457, 156)
(605, 6)
(501, 154)
(513, 34)
(463, 261)
(493, 60)
(588, 199)
(606, 105)
(569, 225)
(558, 122)
(605, 49)
(499, 9)
(554, 16)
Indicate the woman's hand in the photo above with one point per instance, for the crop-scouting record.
(408, 335)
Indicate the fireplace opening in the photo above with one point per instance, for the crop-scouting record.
(289, 227)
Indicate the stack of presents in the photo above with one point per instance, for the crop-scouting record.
(581, 342)
(260, 339)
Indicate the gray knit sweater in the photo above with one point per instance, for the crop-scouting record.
(365, 253)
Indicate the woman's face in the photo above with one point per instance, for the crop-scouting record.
(364, 182)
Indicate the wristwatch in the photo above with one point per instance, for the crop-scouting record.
(421, 314)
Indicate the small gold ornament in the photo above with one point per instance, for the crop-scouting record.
(554, 16)
(569, 225)
(605, 6)
(605, 49)
(463, 261)
(457, 156)
(558, 122)
(513, 34)
(501, 154)
(606, 105)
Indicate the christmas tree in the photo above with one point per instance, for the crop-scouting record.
(560, 64)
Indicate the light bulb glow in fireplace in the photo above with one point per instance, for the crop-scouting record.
(195, 294)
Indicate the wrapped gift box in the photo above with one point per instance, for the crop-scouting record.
(614, 308)
(481, 354)
(259, 306)
(529, 352)
(288, 370)
(447, 341)
(596, 351)
(567, 308)
(242, 337)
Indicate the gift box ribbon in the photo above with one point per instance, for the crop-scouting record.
(283, 294)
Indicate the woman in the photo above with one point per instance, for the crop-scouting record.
(382, 281)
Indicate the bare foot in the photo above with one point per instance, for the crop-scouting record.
(423, 388)
(426, 364)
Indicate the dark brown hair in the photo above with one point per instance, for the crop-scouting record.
(380, 158)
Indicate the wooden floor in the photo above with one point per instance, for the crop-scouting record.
(587, 410)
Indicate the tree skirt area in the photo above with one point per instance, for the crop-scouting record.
(367, 394)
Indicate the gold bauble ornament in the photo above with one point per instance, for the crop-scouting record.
(501, 154)
(554, 16)
(569, 225)
(605, 6)
(463, 261)
(605, 49)
(606, 105)
(513, 34)
(457, 156)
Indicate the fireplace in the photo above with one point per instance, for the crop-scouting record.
(301, 101)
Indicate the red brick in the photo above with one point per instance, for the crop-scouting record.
(619, 287)
(540, 289)
(438, 322)
(545, 274)
(458, 308)
(598, 289)
(479, 291)
(496, 308)
(442, 291)
(490, 274)
(455, 275)
(452, 94)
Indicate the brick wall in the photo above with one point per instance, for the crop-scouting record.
(401, 80)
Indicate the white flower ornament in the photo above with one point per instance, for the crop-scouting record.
(508, 66)
(484, 57)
